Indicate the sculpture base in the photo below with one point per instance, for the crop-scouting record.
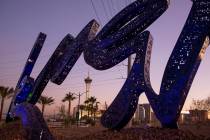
(33, 122)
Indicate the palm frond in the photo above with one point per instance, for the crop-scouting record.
(46, 100)
(69, 97)
(6, 92)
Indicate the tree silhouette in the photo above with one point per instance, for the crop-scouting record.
(92, 101)
(203, 104)
(82, 107)
(44, 100)
(69, 97)
(5, 92)
(91, 106)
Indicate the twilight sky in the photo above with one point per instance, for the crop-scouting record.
(22, 20)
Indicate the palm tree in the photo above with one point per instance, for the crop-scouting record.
(81, 107)
(5, 92)
(90, 105)
(92, 101)
(69, 97)
(87, 106)
(44, 100)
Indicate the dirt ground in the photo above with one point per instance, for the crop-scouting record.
(74, 132)
(186, 132)
(198, 130)
(100, 133)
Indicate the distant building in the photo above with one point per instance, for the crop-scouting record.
(198, 115)
(145, 115)
(184, 117)
(139, 115)
(142, 114)
(75, 110)
(148, 111)
(85, 113)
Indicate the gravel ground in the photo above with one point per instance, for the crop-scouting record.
(143, 134)
(94, 133)
(15, 131)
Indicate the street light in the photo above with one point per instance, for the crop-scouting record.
(77, 114)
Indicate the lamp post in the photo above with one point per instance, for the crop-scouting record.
(77, 114)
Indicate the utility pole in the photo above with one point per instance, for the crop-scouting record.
(77, 114)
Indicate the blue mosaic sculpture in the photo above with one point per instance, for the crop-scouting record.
(122, 36)
(178, 76)
(25, 84)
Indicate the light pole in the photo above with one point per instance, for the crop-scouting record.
(77, 114)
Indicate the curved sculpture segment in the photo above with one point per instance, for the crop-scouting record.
(46, 73)
(23, 90)
(62, 60)
(124, 105)
(114, 43)
(180, 71)
(182, 66)
(33, 122)
(122, 36)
